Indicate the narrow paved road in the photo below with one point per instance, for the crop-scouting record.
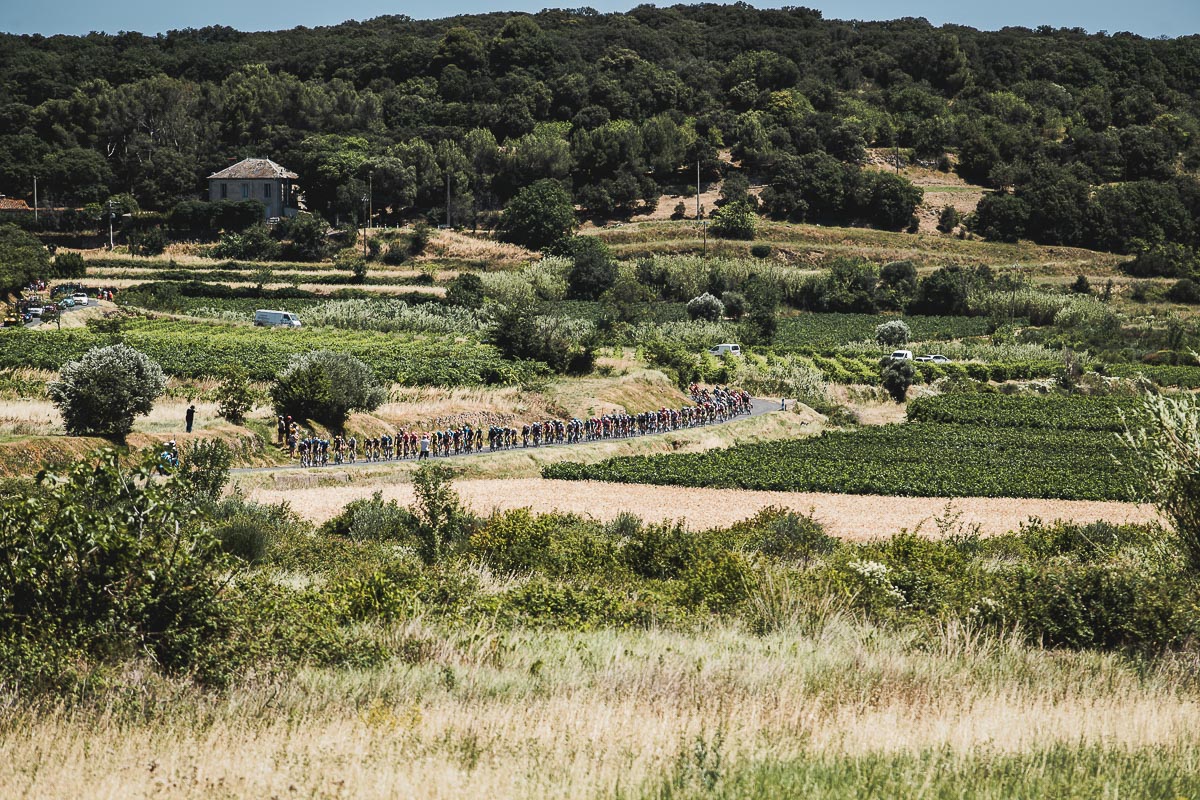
(761, 405)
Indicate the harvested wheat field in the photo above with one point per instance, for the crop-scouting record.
(852, 517)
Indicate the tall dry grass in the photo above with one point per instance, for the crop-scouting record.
(488, 252)
(492, 712)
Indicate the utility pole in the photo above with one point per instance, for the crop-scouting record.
(110, 225)
(35, 213)
(371, 194)
(366, 202)
(697, 190)
(447, 198)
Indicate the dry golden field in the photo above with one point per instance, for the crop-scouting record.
(852, 517)
(498, 713)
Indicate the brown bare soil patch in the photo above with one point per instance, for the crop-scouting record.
(853, 517)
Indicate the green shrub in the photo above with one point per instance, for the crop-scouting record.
(395, 254)
(69, 265)
(735, 304)
(716, 580)
(515, 540)
(593, 268)
(566, 604)
(791, 536)
(418, 240)
(234, 395)
(370, 518)
(706, 307)
(893, 333)
(150, 242)
(948, 219)
(734, 221)
(103, 563)
(1163, 444)
(244, 539)
(466, 290)
(375, 596)
(1184, 291)
(326, 386)
(760, 250)
(253, 244)
(441, 521)
(204, 466)
(897, 375)
(102, 392)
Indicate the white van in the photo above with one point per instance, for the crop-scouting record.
(276, 319)
(722, 349)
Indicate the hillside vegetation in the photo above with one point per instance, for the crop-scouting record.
(1087, 139)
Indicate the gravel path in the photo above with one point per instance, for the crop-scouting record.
(854, 517)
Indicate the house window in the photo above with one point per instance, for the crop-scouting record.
(266, 191)
(245, 191)
(224, 190)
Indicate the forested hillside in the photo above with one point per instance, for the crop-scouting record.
(1090, 139)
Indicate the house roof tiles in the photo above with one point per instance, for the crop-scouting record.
(254, 169)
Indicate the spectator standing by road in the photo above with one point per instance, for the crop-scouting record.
(190, 416)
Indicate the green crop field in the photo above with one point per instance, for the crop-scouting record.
(916, 459)
(999, 411)
(192, 349)
(1183, 377)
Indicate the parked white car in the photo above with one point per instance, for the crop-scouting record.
(936, 359)
(80, 298)
(722, 349)
(268, 318)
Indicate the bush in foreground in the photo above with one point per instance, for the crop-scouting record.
(104, 563)
(101, 393)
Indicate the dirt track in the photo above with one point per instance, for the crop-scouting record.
(855, 517)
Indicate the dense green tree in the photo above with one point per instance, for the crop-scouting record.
(593, 268)
(734, 221)
(889, 201)
(466, 290)
(1001, 216)
(22, 258)
(538, 216)
(762, 308)
(943, 292)
(616, 105)
(326, 386)
(102, 392)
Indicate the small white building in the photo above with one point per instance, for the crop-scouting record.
(258, 179)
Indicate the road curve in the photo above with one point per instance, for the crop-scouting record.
(761, 405)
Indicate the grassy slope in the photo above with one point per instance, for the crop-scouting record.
(814, 244)
(824, 707)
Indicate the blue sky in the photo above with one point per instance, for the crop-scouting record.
(1149, 17)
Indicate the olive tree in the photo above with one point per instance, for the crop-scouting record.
(706, 307)
(1163, 443)
(326, 386)
(101, 393)
(892, 333)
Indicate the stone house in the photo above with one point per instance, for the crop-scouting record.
(258, 179)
